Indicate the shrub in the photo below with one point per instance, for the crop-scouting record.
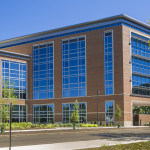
(56, 125)
(88, 125)
(66, 125)
(95, 122)
(49, 126)
(42, 126)
(100, 123)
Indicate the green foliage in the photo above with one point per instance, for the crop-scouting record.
(89, 125)
(100, 123)
(8, 93)
(118, 114)
(29, 125)
(55, 125)
(8, 96)
(4, 115)
(132, 146)
(141, 110)
(66, 125)
(95, 122)
(75, 114)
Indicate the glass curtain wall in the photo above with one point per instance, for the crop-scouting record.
(43, 71)
(108, 62)
(74, 67)
(140, 65)
(14, 76)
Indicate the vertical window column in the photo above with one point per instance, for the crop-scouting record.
(74, 67)
(140, 65)
(108, 62)
(43, 71)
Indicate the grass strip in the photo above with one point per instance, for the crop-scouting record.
(132, 146)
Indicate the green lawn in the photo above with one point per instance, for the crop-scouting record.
(133, 146)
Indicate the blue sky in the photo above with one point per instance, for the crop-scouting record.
(22, 17)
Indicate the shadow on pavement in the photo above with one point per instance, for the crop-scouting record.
(123, 136)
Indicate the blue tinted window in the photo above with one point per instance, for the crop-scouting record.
(73, 67)
(14, 73)
(43, 71)
(108, 63)
(109, 111)
(140, 65)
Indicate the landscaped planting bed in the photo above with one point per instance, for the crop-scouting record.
(29, 125)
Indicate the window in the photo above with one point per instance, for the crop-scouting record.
(43, 71)
(14, 75)
(18, 113)
(108, 62)
(74, 67)
(140, 65)
(43, 113)
(109, 111)
(68, 109)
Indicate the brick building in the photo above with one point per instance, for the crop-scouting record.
(100, 63)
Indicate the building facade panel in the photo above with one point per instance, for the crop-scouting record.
(83, 86)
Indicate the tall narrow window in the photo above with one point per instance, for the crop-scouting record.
(43, 81)
(74, 67)
(109, 111)
(14, 75)
(108, 62)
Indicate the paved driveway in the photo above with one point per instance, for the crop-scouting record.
(81, 138)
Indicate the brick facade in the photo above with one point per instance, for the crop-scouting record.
(94, 71)
(141, 119)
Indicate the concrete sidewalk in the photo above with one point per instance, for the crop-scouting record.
(73, 145)
(70, 128)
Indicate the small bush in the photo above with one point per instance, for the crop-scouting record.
(7, 127)
(49, 126)
(88, 125)
(100, 123)
(66, 125)
(56, 125)
(95, 122)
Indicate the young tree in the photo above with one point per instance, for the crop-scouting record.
(4, 115)
(8, 96)
(75, 114)
(118, 114)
